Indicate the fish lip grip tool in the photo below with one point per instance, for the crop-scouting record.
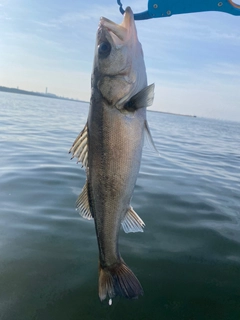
(167, 8)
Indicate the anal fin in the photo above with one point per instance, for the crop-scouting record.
(132, 222)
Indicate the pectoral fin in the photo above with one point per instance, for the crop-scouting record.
(142, 99)
(82, 204)
(132, 222)
(79, 148)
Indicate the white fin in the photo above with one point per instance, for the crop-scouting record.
(148, 138)
(82, 204)
(79, 148)
(132, 222)
(142, 99)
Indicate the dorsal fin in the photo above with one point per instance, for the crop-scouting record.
(79, 148)
(82, 203)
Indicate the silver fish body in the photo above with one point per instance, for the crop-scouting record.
(110, 146)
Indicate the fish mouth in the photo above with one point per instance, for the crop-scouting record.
(119, 32)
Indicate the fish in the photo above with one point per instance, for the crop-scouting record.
(110, 148)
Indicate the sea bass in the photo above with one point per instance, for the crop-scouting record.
(110, 147)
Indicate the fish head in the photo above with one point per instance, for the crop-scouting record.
(119, 71)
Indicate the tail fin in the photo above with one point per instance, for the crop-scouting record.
(118, 280)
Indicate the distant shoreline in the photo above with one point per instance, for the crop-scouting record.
(174, 114)
(38, 94)
(54, 96)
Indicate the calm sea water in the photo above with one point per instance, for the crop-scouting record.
(188, 258)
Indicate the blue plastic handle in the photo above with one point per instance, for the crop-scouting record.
(167, 8)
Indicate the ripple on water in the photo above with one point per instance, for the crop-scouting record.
(188, 257)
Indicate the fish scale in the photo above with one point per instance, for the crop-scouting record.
(115, 134)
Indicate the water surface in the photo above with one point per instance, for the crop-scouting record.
(188, 258)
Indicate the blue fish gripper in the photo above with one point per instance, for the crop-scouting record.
(167, 8)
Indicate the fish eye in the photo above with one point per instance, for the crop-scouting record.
(104, 49)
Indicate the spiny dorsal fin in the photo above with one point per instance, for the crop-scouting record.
(148, 137)
(132, 222)
(79, 148)
(82, 204)
(142, 99)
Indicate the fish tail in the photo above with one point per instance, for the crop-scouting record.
(118, 280)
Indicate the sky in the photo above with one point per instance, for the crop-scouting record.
(193, 59)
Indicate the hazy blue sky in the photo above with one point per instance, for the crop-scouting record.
(194, 59)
